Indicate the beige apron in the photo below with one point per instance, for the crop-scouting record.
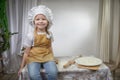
(41, 51)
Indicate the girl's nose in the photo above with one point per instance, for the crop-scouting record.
(40, 20)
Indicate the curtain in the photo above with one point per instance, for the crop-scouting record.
(116, 31)
(118, 52)
(17, 16)
(105, 31)
(14, 10)
(110, 31)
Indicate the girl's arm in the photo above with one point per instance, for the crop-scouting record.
(51, 49)
(26, 52)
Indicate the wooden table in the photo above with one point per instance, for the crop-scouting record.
(74, 73)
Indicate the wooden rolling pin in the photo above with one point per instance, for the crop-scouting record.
(70, 62)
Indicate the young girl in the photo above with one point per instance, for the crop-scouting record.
(38, 47)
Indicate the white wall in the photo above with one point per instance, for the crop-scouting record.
(75, 26)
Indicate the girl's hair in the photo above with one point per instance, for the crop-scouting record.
(46, 29)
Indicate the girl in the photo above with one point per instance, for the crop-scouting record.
(38, 48)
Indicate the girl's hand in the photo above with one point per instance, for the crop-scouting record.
(20, 71)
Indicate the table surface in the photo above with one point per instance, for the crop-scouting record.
(74, 73)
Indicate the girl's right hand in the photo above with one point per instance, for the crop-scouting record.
(20, 71)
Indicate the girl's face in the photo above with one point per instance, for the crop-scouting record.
(40, 22)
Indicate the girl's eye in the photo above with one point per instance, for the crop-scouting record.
(37, 19)
(43, 19)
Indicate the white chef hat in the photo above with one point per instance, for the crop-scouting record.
(41, 9)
